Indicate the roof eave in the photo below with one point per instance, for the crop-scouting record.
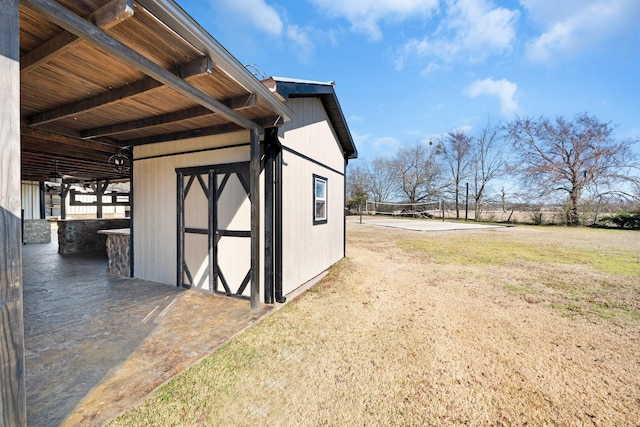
(186, 27)
(292, 88)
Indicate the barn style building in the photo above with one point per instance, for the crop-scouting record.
(237, 184)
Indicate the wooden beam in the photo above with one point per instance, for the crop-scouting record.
(190, 70)
(56, 150)
(192, 133)
(106, 17)
(66, 19)
(55, 139)
(148, 122)
(112, 13)
(197, 67)
(13, 402)
(254, 196)
(85, 105)
(47, 51)
(237, 103)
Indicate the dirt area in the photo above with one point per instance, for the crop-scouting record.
(514, 326)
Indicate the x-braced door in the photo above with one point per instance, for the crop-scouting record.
(214, 229)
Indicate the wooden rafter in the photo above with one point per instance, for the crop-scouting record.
(236, 103)
(205, 131)
(194, 69)
(71, 22)
(104, 18)
(49, 137)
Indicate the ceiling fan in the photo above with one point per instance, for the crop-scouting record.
(56, 174)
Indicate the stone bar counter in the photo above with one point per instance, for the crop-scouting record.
(81, 235)
(118, 244)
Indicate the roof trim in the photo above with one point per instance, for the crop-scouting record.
(172, 15)
(296, 88)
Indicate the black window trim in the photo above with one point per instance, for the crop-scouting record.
(317, 221)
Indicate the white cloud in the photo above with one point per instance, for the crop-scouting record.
(365, 15)
(380, 145)
(503, 89)
(386, 143)
(256, 12)
(574, 26)
(301, 39)
(471, 31)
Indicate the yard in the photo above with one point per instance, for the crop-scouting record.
(508, 326)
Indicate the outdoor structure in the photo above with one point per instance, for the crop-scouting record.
(201, 238)
(237, 184)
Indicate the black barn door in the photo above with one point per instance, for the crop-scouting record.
(214, 229)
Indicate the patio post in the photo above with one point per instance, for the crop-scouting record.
(254, 184)
(12, 381)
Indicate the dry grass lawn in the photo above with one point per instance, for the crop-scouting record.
(514, 326)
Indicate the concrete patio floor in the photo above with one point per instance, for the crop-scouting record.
(97, 345)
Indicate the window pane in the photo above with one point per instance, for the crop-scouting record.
(319, 199)
(320, 209)
(321, 188)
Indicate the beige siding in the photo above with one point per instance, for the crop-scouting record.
(192, 144)
(154, 183)
(310, 133)
(310, 249)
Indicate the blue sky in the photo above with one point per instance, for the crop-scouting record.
(412, 70)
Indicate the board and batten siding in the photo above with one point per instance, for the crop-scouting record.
(310, 249)
(155, 196)
(310, 133)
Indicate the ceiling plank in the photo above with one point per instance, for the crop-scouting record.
(148, 122)
(186, 134)
(273, 121)
(105, 17)
(194, 69)
(236, 103)
(114, 95)
(66, 19)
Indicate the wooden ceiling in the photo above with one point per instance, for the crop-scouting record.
(101, 76)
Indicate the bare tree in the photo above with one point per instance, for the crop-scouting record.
(357, 184)
(417, 172)
(373, 181)
(457, 152)
(570, 157)
(488, 163)
(380, 178)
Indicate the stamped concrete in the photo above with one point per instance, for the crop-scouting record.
(97, 345)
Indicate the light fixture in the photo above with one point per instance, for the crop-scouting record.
(120, 162)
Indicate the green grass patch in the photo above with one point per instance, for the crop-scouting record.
(580, 272)
(475, 251)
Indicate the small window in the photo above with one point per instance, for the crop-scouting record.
(319, 200)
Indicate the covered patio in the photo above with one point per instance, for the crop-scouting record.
(84, 81)
(96, 345)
